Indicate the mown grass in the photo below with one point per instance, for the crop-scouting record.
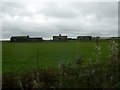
(19, 57)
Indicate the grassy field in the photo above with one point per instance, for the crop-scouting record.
(0, 57)
(18, 57)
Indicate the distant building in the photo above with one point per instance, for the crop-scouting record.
(71, 39)
(84, 38)
(115, 38)
(24, 39)
(36, 39)
(19, 38)
(59, 38)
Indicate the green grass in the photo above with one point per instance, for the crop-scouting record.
(0, 57)
(18, 57)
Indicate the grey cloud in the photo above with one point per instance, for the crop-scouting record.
(101, 9)
(59, 10)
(66, 10)
(15, 9)
(67, 18)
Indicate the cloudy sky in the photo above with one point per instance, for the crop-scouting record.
(46, 19)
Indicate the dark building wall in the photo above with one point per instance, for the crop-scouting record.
(59, 38)
(20, 39)
(35, 39)
(71, 39)
(24, 39)
(84, 38)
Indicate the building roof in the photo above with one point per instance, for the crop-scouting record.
(60, 36)
(20, 36)
(84, 36)
(36, 38)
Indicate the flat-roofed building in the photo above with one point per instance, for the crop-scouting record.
(84, 37)
(24, 39)
(59, 38)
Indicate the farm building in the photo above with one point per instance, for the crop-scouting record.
(59, 38)
(35, 39)
(24, 39)
(84, 37)
(19, 38)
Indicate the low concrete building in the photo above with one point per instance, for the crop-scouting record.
(24, 39)
(84, 37)
(19, 38)
(59, 38)
(36, 39)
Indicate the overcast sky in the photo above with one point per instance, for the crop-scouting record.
(46, 19)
